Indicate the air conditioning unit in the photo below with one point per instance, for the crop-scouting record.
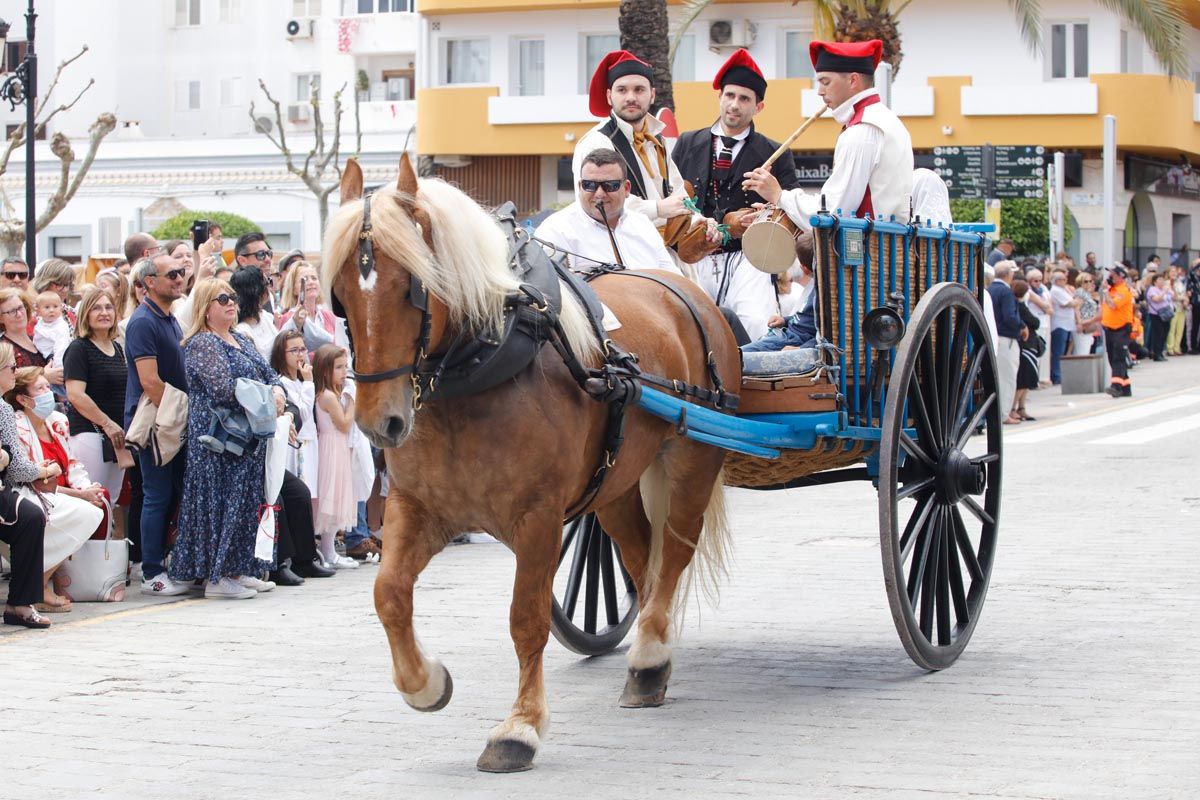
(299, 113)
(299, 29)
(730, 33)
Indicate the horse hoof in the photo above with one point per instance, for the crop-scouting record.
(436, 694)
(506, 755)
(646, 688)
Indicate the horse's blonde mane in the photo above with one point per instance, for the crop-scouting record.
(470, 272)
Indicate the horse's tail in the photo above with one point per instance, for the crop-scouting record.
(708, 566)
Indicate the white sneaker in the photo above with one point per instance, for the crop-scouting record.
(344, 562)
(228, 589)
(251, 582)
(163, 586)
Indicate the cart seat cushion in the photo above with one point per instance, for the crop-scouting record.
(799, 361)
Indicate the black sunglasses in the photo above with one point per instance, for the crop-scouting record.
(261, 255)
(225, 299)
(16, 276)
(608, 186)
(171, 274)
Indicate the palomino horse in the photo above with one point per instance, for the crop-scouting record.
(513, 459)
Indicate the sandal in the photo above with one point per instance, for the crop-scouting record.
(34, 620)
(1021, 413)
(53, 608)
(1012, 420)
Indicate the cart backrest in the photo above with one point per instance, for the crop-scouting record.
(862, 264)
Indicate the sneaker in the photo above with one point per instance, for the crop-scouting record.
(228, 589)
(344, 562)
(163, 586)
(251, 582)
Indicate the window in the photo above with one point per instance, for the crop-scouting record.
(595, 47)
(683, 68)
(465, 61)
(187, 13)
(230, 11)
(305, 83)
(187, 95)
(796, 61)
(14, 55)
(530, 78)
(383, 6)
(1069, 50)
(306, 8)
(68, 248)
(39, 136)
(231, 92)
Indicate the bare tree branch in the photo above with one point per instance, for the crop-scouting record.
(104, 125)
(54, 81)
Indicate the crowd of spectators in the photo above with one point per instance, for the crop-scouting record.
(1128, 315)
(164, 323)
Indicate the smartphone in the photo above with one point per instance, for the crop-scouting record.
(199, 233)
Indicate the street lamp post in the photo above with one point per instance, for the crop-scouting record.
(21, 87)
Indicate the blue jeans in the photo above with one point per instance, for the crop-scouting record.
(161, 487)
(360, 532)
(777, 339)
(1059, 337)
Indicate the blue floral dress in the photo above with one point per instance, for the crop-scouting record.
(222, 494)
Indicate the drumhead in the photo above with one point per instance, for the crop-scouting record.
(770, 244)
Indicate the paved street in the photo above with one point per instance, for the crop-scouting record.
(1081, 680)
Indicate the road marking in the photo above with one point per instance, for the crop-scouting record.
(1149, 434)
(1104, 420)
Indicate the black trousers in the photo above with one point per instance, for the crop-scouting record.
(297, 536)
(26, 542)
(1156, 335)
(1194, 345)
(1116, 344)
(133, 516)
(735, 324)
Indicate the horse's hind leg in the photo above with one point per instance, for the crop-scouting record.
(514, 742)
(650, 654)
(407, 549)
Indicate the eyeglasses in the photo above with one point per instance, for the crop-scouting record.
(296, 351)
(16, 276)
(608, 186)
(261, 255)
(224, 299)
(12, 311)
(171, 274)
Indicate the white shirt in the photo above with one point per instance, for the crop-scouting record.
(595, 140)
(586, 241)
(856, 156)
(52, 338)
(931, 198)
(738, 140)
(262, 333)
(1062, 313)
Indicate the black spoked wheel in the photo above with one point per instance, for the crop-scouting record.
(595, 600)
(939, 477)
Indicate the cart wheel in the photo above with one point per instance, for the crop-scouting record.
(939, 511)
(589, 563)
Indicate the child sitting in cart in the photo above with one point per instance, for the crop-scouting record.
(798, 330)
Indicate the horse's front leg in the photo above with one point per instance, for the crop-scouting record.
(513, 743)
(408, 545)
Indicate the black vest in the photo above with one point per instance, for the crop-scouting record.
(633, 164)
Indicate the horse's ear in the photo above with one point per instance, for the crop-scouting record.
(407, 182)
(352, 181)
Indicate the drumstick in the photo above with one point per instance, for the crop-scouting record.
(795, 135)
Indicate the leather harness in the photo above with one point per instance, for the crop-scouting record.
(475, 362)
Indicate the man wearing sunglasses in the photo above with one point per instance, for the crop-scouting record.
(582, 229)
(14, 274)
(152, 345)
(252, 250)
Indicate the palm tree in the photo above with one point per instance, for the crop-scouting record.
(644, 27)
(1161, 22)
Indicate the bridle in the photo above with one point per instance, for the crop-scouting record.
(418, 297)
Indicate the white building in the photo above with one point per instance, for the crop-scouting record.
(180, 76)
(501, 90)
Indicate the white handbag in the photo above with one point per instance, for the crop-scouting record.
(98, 572)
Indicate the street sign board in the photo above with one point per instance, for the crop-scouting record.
(976, 172)
(1020, 171)
(962, 170)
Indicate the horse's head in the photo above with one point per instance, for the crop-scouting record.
(376, 249)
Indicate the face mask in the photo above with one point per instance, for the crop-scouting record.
(43, 405)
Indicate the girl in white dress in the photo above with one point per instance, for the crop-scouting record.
(289, 357)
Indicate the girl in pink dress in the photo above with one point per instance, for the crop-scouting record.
(336, 509)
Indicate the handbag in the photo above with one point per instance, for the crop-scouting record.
(123, 458)
(99, 570)
(1165, 314)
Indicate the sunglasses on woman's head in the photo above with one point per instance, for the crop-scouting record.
(224, 299)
